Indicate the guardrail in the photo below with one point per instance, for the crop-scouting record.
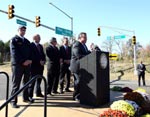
(24, 87)
(7, 91)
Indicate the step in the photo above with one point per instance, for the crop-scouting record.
(59, 105)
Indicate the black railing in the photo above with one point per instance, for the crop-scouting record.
(24, 87)
(7, 91)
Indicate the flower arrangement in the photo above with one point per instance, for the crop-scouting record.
(135, 104)
(113, 113)
(135, 96)
(122, 105)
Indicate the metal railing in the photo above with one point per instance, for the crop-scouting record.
(7, 91)
(24, 87)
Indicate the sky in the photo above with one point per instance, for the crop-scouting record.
(130, 15)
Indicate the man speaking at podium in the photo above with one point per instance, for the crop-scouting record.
(79, 50)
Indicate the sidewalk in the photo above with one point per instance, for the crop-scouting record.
(60, 105)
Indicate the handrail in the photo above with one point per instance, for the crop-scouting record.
(24, 87)
(7, 92)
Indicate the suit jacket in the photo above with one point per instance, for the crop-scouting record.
(78, 51)
(37, 57)
(20, 50)
(53, 58)
(141, 69)
(63, 54)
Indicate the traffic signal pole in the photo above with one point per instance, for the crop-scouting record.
(135, 71)
(45, 26)
(134, 45)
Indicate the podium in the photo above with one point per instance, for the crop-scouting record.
(94, 82)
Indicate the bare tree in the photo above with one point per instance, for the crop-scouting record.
(108, 45)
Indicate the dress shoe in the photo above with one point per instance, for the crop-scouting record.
(14, 105)
(67, 90)
(26, 101)
(49, 94)
(55, 92)
(31, 100)
(39, 95)
(61, 92)
(76, 99)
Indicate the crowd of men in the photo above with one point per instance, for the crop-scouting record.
(28, 60)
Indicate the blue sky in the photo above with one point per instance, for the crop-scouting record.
(87, 15)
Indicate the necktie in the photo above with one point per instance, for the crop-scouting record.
(38, 47)
(66, 51)
(85, 48)
(55, 48)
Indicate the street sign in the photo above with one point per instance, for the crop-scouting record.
(119, 36)
(110, 37)
(116, 37)
(18, 21)
(113, 56)
(62, 31)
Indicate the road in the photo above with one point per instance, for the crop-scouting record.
(122, 83)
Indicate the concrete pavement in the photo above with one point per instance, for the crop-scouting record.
(62, 105)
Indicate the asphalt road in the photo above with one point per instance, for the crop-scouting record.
(122, 83)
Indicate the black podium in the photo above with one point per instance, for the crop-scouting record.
(94, 83)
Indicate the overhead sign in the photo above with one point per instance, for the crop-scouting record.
(18, 21)
(62, 31)
(113, 56)
(116, 37)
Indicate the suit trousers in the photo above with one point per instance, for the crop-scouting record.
(141, 75)
(37, 82)
(76, 93)
(64, 69)
(20, 73)
(52, 77)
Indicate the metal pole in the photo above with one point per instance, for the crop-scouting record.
(135, 73)
(118, 29)
(45, 26)
(71, 18)
(72, 28)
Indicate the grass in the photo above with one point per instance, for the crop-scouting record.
(117, 69)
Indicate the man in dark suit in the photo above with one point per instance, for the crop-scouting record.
(65, 56)
(53, 66)
(21, 59)
(79, 50)
(37, 65)
(141, 73)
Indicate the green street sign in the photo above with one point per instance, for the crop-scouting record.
(62, 31)
(119, 36)
(116, 37)
(18, 21)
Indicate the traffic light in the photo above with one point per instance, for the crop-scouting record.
(11, 11)
(134, 40)
(99, 31)
(37, 21)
